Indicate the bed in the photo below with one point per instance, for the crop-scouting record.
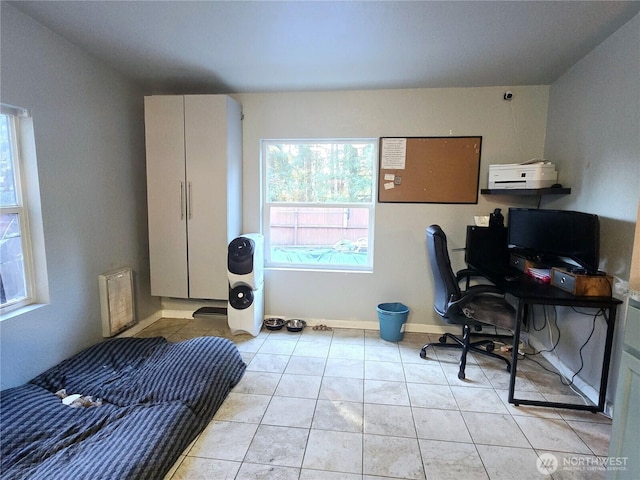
(151, 398)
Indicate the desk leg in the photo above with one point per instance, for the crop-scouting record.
(603, 378)
(514, 351)
(607, 358)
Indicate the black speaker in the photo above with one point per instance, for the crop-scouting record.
(245, 270)
(240, 258)
(240, 297)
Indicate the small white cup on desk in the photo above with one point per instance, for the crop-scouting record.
(481, 220)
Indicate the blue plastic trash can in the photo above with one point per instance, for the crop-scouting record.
(392, 317)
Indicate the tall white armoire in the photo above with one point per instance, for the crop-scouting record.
(194, 192)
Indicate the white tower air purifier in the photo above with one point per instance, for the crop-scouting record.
(245, 269)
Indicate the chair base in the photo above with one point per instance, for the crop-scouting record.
(466, 346)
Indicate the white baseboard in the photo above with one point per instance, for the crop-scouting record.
(375, 325)
(362, 324)
(177, 313)
(141, 325)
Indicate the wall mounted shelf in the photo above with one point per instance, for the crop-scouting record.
(525, 191)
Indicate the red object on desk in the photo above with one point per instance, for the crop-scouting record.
(542, 274)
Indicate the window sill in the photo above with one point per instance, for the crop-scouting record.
(19, 311)
(318, 270)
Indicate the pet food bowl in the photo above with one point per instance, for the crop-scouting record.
(273, 323)
(296, 325)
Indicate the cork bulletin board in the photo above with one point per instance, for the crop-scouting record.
(429, 169)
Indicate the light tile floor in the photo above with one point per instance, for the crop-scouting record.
(345, 404)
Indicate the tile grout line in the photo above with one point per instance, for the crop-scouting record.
(411, 404)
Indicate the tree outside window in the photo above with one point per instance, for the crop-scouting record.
(318, 199)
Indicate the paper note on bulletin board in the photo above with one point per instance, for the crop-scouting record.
(429, 169)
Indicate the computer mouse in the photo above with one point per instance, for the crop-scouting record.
(556, 185)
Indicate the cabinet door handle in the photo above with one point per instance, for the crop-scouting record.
(189, 202)
(181, 200)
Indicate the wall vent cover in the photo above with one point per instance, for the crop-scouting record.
(116, 301)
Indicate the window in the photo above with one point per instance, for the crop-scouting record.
(16, 271)
(318, 203)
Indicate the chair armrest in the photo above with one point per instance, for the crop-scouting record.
(472, 292)
(480, 289)
(466, 273)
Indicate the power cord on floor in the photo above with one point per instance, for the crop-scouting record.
(548, 322)
(533, 321)
(563, 379)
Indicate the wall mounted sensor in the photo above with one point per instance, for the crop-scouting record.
(508, 95)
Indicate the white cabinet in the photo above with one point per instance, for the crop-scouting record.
(623, 449)
(194, 192)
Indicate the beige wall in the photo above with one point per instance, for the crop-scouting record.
(634, 279)
(592, 133)
(401, 271)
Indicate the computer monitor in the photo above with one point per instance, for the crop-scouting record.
(556, 233)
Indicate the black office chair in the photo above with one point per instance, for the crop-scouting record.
(474, 307)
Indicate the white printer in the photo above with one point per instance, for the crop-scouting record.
(535, 173)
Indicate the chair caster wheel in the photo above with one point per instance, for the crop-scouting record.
(461, 375)
(442, 339)
(490, 347)
(423, 353)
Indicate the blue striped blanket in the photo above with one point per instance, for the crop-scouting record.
(156, 396)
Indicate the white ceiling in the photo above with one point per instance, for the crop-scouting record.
(242, 46)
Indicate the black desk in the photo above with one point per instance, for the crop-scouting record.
(529, 291)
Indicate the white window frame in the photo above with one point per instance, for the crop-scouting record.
(268, 205)
(21, 209)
